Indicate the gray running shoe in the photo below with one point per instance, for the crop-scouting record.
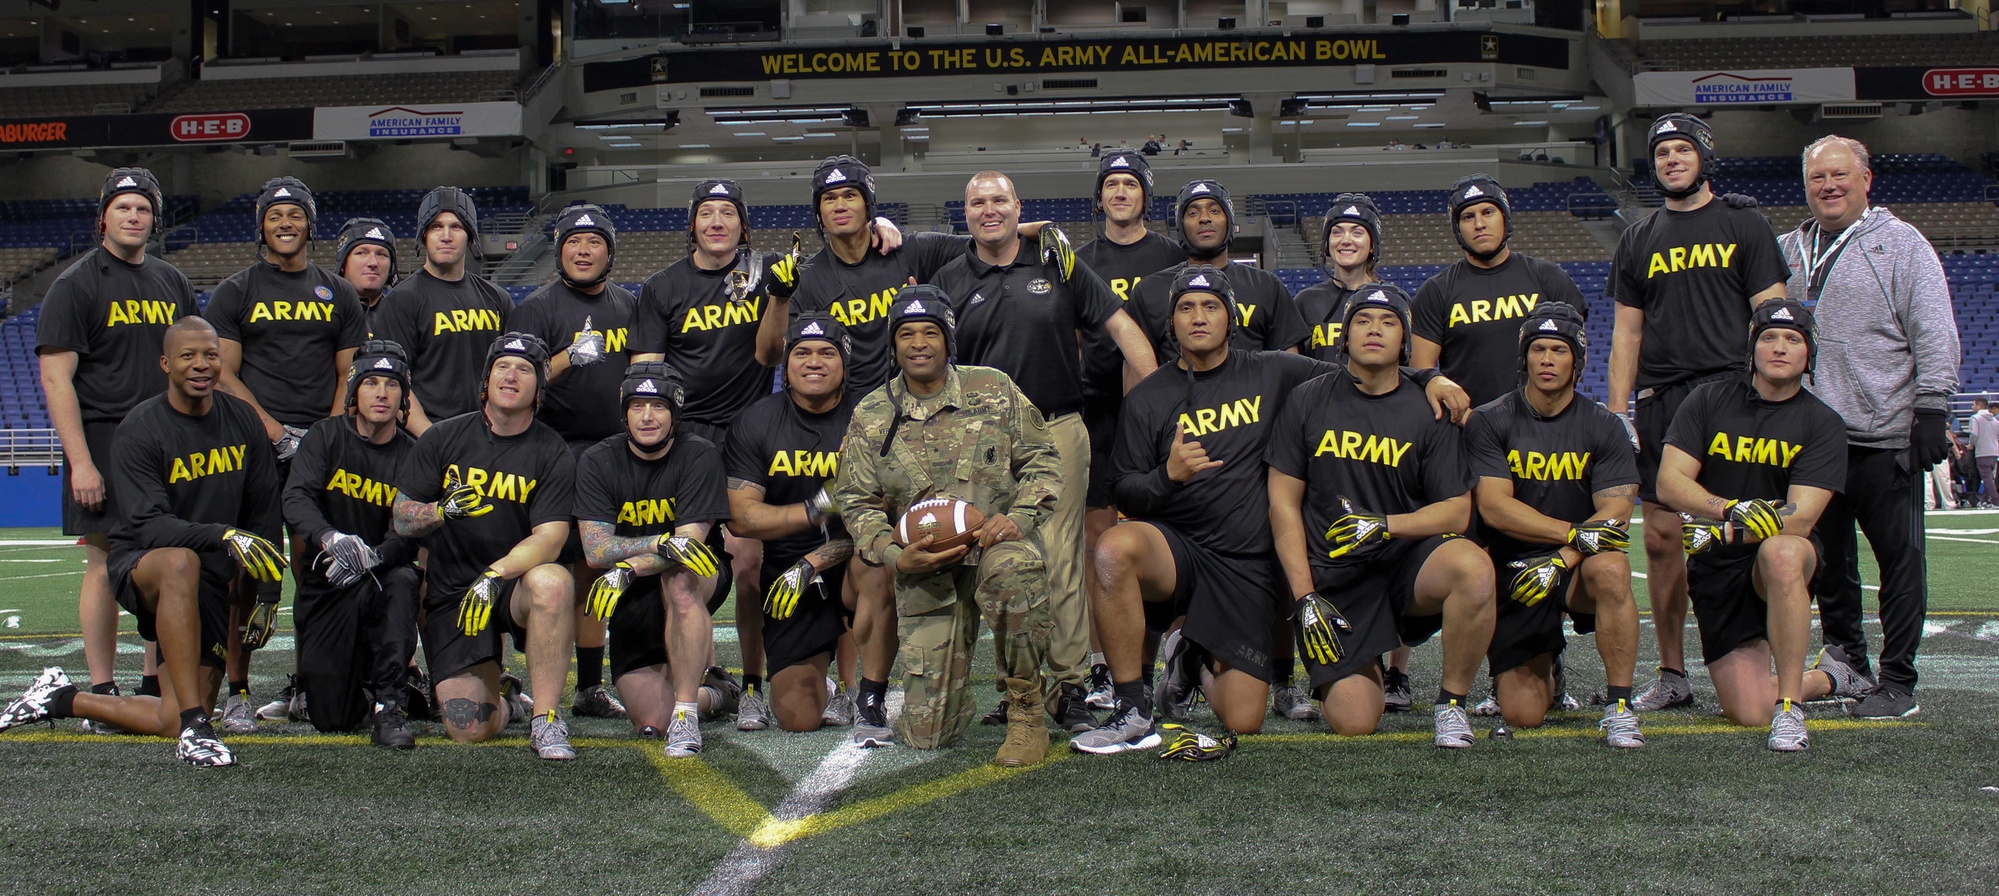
(520, 706)
(1396, 695)
(1889, 701)
(871, 723)
(200, 747)
(1847, 682)
(548, 734)
(725, 690)
(1453, 726)
(237, 717)
(839, 711)
(1127, 729)
(1290, 702)
(279, 709)
(1101, 696)
(1787, 728)
(1174, 696)
(33, 704)
(752, 713)
(1669, 690)
(1620, 727)
(683, 736)
(596, 702)
(1488, 707)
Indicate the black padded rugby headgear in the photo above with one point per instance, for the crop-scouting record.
(1681, 126)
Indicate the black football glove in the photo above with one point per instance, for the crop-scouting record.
(255, 554)
(781, 278)
(1056, 250)
(1739, 200)
(1698, 534)
(1929, 438)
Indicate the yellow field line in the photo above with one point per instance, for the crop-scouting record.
(713, 793)
(775, 832)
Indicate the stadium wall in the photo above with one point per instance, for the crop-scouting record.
(217, 176)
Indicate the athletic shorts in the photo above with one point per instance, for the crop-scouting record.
(448, 651)
(76, 518)
(637, 630)
(1231, 602)
(1100, 419)
(814, 627)
(1726, 605)
(1521, 632)
(1654, 412)
(212, 601)
(1373, 597)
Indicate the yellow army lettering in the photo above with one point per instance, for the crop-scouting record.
(854, 312)
(1501, 308)
(140, 311)
(291, 311)
(1243, 314)
(1239, 412)
(1753, 450)
(466, 320)
(614, 340)
(725, 314)
(1559, 465)
(498, 485)
(805, 464)
(361, 488)
(1363, 447)
(647, 512)
(226, 459)
(1326, 334)
(1124, 288)
(1683, 258)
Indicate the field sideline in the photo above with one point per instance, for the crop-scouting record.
(1888, 807)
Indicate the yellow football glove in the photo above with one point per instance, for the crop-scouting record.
(462, 501)
(1186, 744)
(1756, 515)
(691, 553)
(1319, 627)
(1536, 577)
(263, 621)
(604, 593)
(782, 276)
(1055, 250)
(1598, 536)
(475, 610)
(782, 600)
(1356, 532)
(1699, 534)
(255, 554)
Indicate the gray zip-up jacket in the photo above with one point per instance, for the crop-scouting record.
(1887, 338)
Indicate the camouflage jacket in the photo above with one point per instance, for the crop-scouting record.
(980, 441)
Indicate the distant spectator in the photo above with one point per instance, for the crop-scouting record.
(1985, 449)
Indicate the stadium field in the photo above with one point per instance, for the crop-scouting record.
(1704, 808)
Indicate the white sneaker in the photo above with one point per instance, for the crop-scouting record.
(1787, 728)
(1620, 727)
(683, 736)
(752, 713)
(200, 747)
(1453, 726)
(237, 718)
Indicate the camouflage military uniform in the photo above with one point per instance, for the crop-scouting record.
(982, 441)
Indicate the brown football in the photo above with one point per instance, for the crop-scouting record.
(951, 521)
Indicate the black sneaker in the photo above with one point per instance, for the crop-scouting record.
(1889, 701)
(391, 729)
(1396, 695)
(1072, 714)
(417, 696)
(996, 717)
(1174, 697)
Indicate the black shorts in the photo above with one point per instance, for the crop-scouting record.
(212, 602)
(637, 630)
(1374, 597)
(1521, 632)
(1231, 602)
(814, 627)
(76, 518)
(1100, 419)
(448, 651)
(1653, 413)
(1726, 605)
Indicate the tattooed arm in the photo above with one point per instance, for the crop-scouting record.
(603, 547)
(415, 519)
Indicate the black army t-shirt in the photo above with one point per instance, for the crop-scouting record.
(686, 313)
(1122, 268)
(446, 326)
(1752, 448)
(1556, 464)
(1266, 317)
(114, 316)
(1388, 454)
(343, 482)
(582, 404)
(859, 295)
(1323, 305)
(1474, 315)
(291, 327)
(1692, 273)
(529, 479)
(643, 498)
(1229, 410)
(791, 453)
(182, 481)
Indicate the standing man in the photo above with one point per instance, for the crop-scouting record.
(98, 343)
(445, 315)
(1467, 317)
(196, 488)
(1984, 450)
(1751, 464)
(1267, 318)
(365, 257)
(1685, 281)
(289, 329)
(1888, 367)
(1123, 255)
(1556, 484)
(357, 602)
(586, 320)
(1018, 310)
(908, 440)
(488, 495)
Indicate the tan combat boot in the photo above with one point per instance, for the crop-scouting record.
(1026, 730)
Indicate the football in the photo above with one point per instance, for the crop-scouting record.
(951, 521)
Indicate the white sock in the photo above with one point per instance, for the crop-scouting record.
(692, 709)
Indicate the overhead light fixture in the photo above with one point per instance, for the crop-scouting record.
(1039, 107)
(694, 146)
(820, 134)
(750, 134)
(1401, 118)
(787, 139)
(1428, 124)
(828, 114)
(1538, 122)
(1363, 124)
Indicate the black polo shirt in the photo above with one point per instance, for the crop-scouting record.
(1022, 318)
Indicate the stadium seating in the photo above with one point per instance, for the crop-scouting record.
(354, 90)
(78, 99)
(1810, 51)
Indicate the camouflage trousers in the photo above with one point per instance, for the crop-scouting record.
(939, 626)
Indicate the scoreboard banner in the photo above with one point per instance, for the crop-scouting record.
(1749, 87)
(155, 129)
(1925, 83)
(926, 58)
